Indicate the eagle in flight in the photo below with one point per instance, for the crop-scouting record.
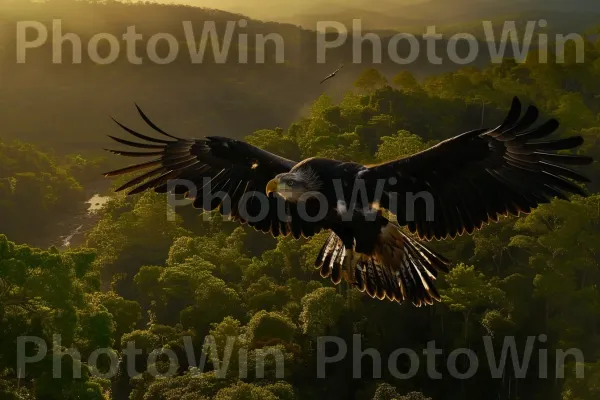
(454, 187)
(331, 75)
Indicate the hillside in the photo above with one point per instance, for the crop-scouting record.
(276, 10)
(387, 14)
(440, 10)
(229, 99)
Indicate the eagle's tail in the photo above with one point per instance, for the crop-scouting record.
(400, 268)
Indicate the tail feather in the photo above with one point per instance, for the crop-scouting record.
(329, 259)
(399, 269)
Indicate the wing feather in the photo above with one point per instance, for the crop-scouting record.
(203, 168)
(479, 175)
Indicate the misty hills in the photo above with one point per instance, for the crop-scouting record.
(392, 12)
(277, 9)
(441, 10)
(563, 16)
(67, 106)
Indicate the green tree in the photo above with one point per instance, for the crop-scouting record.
(370, 80)
(406, 81)
(468, 291)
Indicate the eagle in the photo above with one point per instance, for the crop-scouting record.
(331, 75)
(381, 217)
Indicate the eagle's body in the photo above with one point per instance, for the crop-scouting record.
(331, 75)
(451, 188)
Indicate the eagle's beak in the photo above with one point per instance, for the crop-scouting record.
(272, 186)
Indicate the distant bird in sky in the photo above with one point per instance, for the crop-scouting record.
(472, 179)
(331, 75)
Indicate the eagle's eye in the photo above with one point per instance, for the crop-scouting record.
(289, 182)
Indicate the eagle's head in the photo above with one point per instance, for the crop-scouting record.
(295, 185)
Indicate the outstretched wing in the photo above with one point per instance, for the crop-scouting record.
(473, 178)
(218, 172)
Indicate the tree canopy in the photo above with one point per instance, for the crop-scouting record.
(169, 281)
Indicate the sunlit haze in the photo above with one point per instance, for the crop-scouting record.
(274, 9)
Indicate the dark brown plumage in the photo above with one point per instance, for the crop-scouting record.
(472, 179)
(479, 175)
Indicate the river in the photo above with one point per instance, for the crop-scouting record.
(78, 225)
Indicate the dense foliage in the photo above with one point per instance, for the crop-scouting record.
(38, 191)
(169, 283)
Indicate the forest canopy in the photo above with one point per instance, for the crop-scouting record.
(162, 284)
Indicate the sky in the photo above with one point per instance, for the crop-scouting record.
(284, 8)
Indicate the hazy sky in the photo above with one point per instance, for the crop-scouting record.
(285, 8)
